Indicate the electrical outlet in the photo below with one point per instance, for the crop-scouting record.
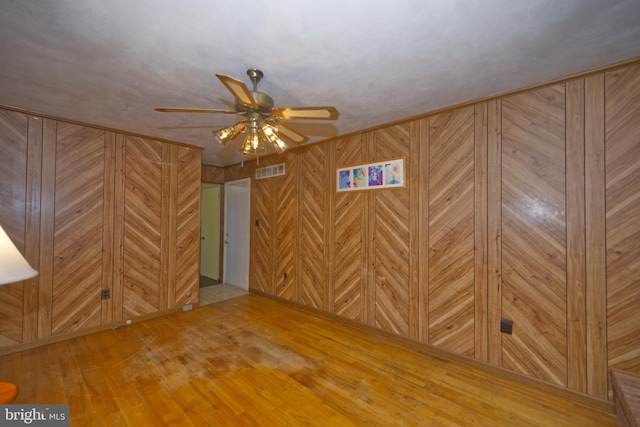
(286, 276)
(506, 326)
(257, 223)
(105, 294)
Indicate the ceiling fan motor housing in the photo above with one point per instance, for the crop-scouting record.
(264, 101)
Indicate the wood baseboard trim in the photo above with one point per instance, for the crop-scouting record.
(63, 337)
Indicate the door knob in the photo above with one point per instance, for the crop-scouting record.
(202, 237)
(226, 242)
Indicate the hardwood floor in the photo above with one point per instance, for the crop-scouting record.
(255, 361)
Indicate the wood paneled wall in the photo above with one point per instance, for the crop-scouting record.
(622, 216)
(534, 233)
(94, 210)
(524, 207)
(348, 240)
(213, 174)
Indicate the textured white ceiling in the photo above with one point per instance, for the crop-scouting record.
(109, 63)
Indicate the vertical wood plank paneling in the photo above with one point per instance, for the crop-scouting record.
(172, 237)
(32, 224)
(286, 217)
(79, 210)
(576, 260)
(47, 212)
(534, 233)
(622, 142)
(494, 231)
(350, 243)
(370, 226)
(312, 228)
(14, 134)
(329, 225)
(413, 177)
(109, 202)
(480, 236)
(391, 241)
(451, 238)
(117, 294)
(423, 232)
(167, 285)
(261, 266)
(187, 246)
(595, 239)
(142, 217)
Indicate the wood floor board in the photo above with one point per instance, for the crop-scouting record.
(254, 361)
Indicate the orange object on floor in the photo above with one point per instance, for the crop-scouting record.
(8, 392)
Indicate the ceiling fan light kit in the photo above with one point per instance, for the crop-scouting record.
(260, 117)
(226, 134)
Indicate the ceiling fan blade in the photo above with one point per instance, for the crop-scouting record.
(289, 135)
(193, 110)
(239, 90)
(306, 113)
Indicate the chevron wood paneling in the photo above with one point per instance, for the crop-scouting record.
(622, 141)
(11, 307)
(391, 238)
(94, 210)
(349, 237)
(261, 266)
(510, 224)
(534, 233)
(77, 267)
(13, 162)
(312, 231)
(451, 239)
(286, 223)
(13, 170)
(142, 218)
(188, 226)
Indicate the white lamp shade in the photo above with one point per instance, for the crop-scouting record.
(13, 267)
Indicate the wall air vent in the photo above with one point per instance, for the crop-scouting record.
(269, 171)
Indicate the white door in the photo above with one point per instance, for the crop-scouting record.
(237, 203)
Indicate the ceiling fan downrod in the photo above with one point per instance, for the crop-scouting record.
(255, 75)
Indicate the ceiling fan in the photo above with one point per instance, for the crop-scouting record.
(260, 118)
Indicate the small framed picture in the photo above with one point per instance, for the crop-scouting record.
(372, 176)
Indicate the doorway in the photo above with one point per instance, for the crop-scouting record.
(210, 234)
(237, 203)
